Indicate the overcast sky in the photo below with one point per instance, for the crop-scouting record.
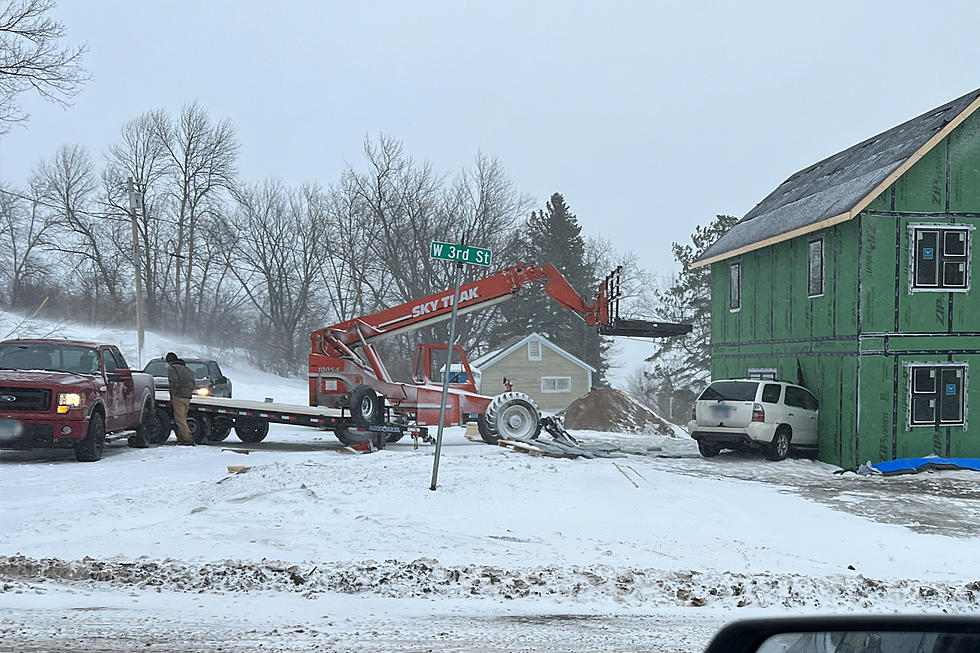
(650, 117)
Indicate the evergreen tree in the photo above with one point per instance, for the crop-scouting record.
(683, 364)
(553, 235)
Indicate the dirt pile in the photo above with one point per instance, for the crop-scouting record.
(608, 409)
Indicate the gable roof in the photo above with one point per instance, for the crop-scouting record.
(493, 357)
(839, 187)
(493, 352)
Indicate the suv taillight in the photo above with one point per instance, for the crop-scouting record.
(758, 413)
(694, 413)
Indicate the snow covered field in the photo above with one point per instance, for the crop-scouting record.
(319, 548)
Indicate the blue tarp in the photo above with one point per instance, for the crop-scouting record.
(915, 465)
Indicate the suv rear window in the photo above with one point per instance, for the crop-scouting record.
(770, 393)
(730, 391)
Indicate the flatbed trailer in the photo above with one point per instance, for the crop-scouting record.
(211, 419)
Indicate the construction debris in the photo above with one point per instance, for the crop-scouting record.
(623, 472)
(557, 449)
(608, 409)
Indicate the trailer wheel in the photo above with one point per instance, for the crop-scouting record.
(220, 430)
(510, 416)
(365, 405)
(251, 430)
(352, 437)
(161, 427)
(199, 426)
(143, 437)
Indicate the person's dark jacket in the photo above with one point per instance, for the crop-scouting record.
(181, 380)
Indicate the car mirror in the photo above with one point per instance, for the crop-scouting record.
(857, 634)
(119, 375)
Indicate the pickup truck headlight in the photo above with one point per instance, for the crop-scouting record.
(202, 392)
(68, 400)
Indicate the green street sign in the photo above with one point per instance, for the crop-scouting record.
(460, 253)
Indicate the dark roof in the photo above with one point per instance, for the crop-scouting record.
(834, 186)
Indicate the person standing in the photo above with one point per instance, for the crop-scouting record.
(181, 382)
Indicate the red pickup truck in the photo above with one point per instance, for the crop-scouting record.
(70, 393)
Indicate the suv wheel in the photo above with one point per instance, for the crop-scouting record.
(779, 447)
(709, 450)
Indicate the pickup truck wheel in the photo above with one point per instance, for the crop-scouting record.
(90, 448)
(251, 430)
(220, 429)
(145, 429)
(161, 427)
(199, 426)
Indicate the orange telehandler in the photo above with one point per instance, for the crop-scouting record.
(346, 371)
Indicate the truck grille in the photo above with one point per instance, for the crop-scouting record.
(27, 400)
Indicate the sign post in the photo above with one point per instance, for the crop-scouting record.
(459, 254)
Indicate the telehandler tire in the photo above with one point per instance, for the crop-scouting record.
(510, 416)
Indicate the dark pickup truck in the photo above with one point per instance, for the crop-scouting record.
(72, 394)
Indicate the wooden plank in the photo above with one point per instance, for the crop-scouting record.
(532, 450)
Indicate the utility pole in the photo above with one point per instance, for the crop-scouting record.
(134, 201)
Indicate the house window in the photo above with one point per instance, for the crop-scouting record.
(556, 384)
(815, 268)
(936, 395)
(762, 373)
(941, 258)
(735, 286)
(534, 350)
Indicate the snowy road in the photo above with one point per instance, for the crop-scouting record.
(317, 548)
(511, 553)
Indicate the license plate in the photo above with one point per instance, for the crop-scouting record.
(10, 429)
(721, 411)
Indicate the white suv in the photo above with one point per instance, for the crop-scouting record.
(744, 414)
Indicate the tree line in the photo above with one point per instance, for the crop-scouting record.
(258, 265)
(261, 264)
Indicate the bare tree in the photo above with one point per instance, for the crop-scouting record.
(24, 229)
(202, 164)
(67, 183)
(354, 280)
(404, 205)
(280, 232)
(140, 155)
(32, 57)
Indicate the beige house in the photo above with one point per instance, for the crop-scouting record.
(549, 374)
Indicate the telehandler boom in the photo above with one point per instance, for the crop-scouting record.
(347, 372)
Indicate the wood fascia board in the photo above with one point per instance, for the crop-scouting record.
(918, 154)
(788, 235)
(862, 203)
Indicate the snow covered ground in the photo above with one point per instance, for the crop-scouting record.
(319, 548)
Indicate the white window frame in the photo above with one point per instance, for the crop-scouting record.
(809, 264)
(735, 289)
(941, 227)
(556, 389)
(532, 353)
(910, 368)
